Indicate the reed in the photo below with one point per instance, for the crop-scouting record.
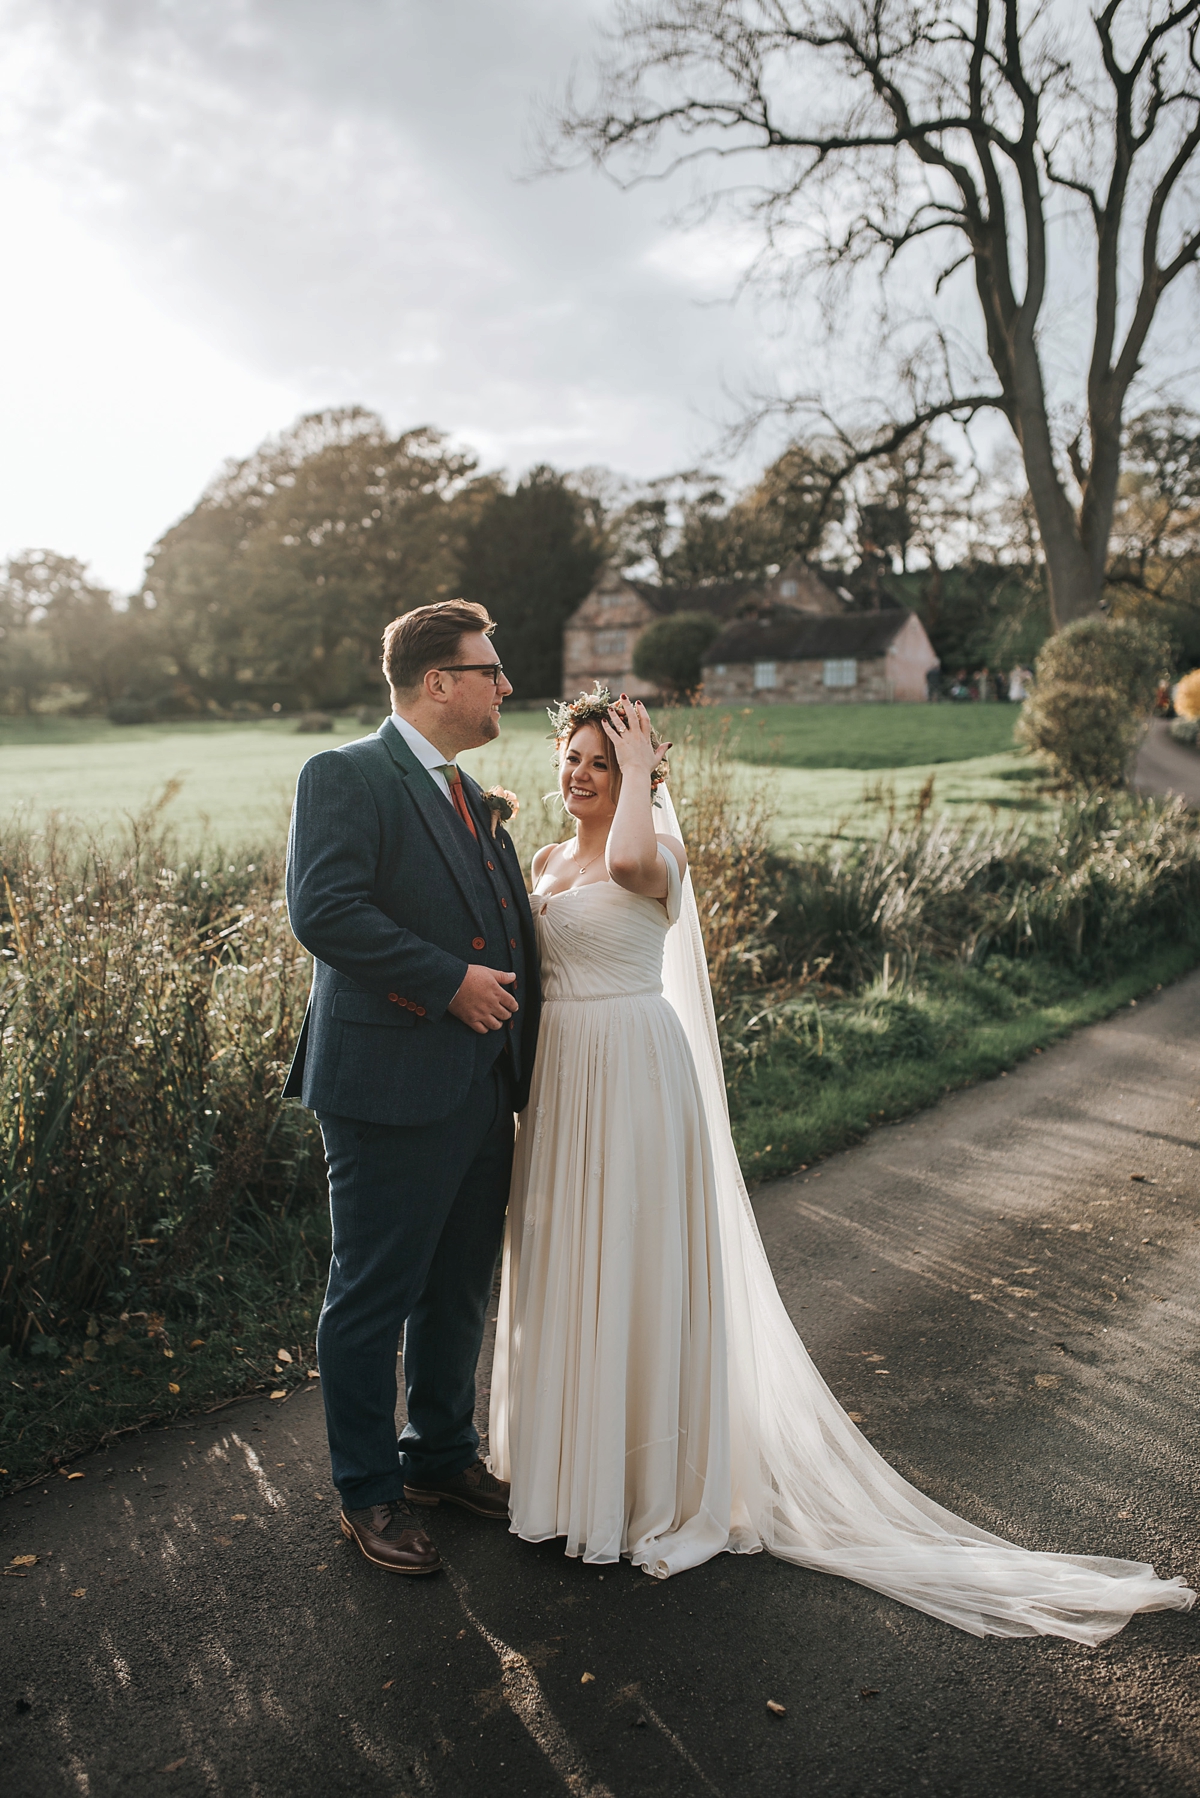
(148, 1007)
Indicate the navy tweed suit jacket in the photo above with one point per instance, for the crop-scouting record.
(383, 891)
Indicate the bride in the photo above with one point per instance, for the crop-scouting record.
(650, 1397)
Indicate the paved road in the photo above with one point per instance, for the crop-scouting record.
(195, 1625)
(1164, 766)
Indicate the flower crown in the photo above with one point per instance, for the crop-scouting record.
(592, 708)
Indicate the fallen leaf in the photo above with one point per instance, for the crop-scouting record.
(885, 1371)
(198, 1342)
(1027, 1270)
(16, 1573)
(855, 1416)
(1080, 1226)
(875, 1357)
(280, 1394)
(238, 1517)
(388, 1684)
(173, 1766)
(79, 1592)
(172, 1387)
(282, 1355)
(324, 1567)
(776, 1710)
(74, 1476)
(461, 1635)
(313, 1374)
(1020, 1292)
(1046, 1379)
(24, 1561)
(587, 1679)
(976, 1296)
(223, 1541)
(868, 1692)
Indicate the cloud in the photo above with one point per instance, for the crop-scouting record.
(331, 204)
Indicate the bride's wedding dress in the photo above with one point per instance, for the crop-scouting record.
(650, 1396)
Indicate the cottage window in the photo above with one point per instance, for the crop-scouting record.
(841, 672)
(610, 643)
(764, 674)
(788, 589)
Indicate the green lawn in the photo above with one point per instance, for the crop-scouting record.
(867, 736)
(827, 766)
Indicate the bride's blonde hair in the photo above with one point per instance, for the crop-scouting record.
(570, 716)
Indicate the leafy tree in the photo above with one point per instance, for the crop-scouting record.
(669, 652)
(1154, 574)
(61, 628)
(695, 531)
(530, 556)
(280, 581)
(932, 136)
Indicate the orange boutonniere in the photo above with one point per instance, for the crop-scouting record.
(502, 805)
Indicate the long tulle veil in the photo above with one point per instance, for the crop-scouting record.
(807, 1484)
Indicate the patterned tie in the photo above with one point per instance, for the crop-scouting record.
(454, 779)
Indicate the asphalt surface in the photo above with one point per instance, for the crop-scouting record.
(1005, 1289)
(1164, 766)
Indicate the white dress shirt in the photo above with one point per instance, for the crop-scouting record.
(426, 754)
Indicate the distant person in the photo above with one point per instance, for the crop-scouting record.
(933, 684)
(984, 690)
(416, 1050)
(1018, 689)
(959, 689)
(1164, 705)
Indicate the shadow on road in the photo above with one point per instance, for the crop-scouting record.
(1003, 1289)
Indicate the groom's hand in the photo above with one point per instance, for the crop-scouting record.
(483, 1001)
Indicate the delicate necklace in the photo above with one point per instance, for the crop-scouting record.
(586, 865)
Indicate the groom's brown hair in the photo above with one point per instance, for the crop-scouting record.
(428, 637)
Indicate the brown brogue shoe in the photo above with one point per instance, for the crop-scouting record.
(475, 1489)
(390, 1537)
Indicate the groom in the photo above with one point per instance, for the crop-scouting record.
(416, 1050)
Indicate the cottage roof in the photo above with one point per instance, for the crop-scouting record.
(787, 636)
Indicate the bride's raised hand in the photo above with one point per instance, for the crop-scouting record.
(628, 729)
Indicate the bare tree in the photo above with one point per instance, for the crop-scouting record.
(947, 134)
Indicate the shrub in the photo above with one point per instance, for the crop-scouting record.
(133, 711)
(1086, 733)
(670, 650)
(1187, 696)
(1096, 681)
(1185, 730)
(1123, 654)
(1109, 880)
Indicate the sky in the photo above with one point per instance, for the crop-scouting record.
(220, 216)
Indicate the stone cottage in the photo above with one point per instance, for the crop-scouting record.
(600, 635)
(784, 657)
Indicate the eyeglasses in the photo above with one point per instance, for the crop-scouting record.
(495, 669)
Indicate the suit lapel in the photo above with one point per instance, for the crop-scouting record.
(445, 830)
(501, 840)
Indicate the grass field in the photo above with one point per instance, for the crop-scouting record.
(232, 783)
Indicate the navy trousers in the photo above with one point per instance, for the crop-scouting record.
(418, 1215)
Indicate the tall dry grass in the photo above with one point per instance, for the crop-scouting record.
(148, 1007)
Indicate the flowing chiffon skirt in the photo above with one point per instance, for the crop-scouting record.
(650, 1396)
